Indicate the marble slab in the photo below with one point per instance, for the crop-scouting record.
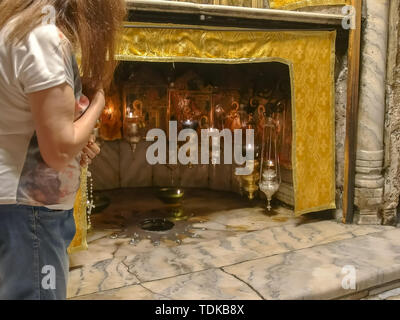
(288, 272)
(161, 263)
(101, 276)
(387, 295)
(317, 272)
(103, 249)
(235, 181)
(105, 167)
(168, 262)
(135, 171)
(205, 285)
(229, 215)
(220, 177)
(195, 176)
(134, 292)
(164, 176)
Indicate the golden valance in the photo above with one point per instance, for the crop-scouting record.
(310, 56)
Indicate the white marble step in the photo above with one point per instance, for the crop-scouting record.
(287, 262)
(322, 272)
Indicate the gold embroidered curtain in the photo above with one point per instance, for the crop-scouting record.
(310, 56)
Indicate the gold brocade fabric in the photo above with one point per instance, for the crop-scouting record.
(310, 56)
(295, 4)
(79, 242)
(237, 3)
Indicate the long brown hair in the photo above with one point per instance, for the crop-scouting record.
(92, 26)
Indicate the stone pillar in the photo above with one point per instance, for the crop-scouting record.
(392, 124)
(370, 147)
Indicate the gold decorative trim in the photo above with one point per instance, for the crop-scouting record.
(330, 206)
(310, 56)
(238, 3)
(296, 4)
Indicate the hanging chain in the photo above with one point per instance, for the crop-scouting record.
(89, 199)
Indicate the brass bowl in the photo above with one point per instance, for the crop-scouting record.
(170, 195)
(177, 214)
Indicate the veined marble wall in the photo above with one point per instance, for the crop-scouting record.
(370, 143)
(378, 152)
(340, 114)
(118, 167)
(392, 121)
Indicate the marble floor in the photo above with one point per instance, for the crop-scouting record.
(205, 215)
(393, 294)
(228, 248)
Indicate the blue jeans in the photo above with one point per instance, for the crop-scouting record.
(34, 262)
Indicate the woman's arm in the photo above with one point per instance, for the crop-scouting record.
(60, 138)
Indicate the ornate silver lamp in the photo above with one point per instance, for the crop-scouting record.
(134, 124)
(270, 175)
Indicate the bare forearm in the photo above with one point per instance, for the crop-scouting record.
(83, 127)
(77, 134)
(60, 138)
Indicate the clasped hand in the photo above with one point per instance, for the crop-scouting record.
(90, 152)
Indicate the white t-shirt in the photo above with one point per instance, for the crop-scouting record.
(43, 60)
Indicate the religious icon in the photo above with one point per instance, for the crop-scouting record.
(204, 122)
(191, 109)
(261, 120)
(233, 120)
(219, 117)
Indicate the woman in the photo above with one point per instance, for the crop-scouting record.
(43, 131)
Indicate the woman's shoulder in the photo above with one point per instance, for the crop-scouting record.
(48, 32)
(45, 40)
(40, 33)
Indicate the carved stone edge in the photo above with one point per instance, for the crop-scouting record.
(237, 12)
